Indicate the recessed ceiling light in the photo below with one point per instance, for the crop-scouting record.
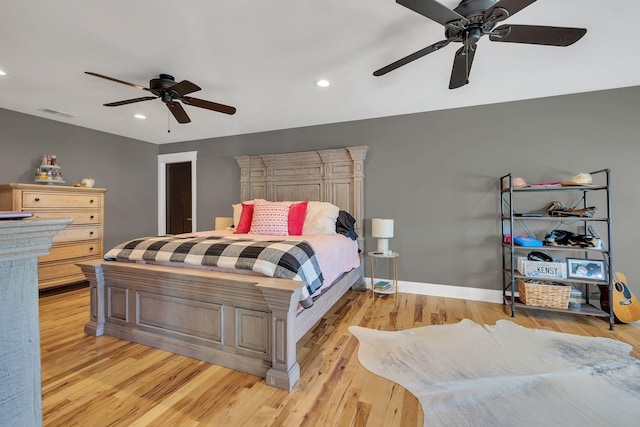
(323, 83)
(2, 73)
(140, 116)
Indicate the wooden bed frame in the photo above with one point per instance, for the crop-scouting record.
(242, 322)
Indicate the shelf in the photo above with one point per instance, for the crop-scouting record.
(391, 290)
(383, 255)
(49, 167)
(586, 309)
(517, 275)
(548, 189)
(554, 218)
(579, 225)
(554, 248)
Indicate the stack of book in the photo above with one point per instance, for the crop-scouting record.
(381, 286)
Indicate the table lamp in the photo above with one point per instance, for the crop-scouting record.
(383, 230)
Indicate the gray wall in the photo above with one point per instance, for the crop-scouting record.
(127, 168)
(436, 174)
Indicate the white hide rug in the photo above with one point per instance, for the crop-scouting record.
(467, 374)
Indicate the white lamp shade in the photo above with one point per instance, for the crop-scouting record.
(382, 228)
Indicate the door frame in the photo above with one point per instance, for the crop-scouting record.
(163, 159)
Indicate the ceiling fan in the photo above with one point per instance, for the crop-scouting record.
(170, 92)
(471, 20)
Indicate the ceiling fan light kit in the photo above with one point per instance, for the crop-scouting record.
(166, 89)
(471, 20)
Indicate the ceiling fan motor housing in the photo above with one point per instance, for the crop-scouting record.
(467, 8)
(470, 31)
(162, 82)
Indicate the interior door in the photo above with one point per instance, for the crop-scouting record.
(179, 198)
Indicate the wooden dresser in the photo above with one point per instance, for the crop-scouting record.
(82, 240)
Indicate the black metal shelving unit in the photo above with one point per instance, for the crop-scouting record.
(509, 198)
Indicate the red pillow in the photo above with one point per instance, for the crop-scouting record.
(244, 225)
(297, 213)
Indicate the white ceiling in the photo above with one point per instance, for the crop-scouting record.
(263, 58)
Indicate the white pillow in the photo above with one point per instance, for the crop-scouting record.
(321, 218)
(237, 211)
(270, 218)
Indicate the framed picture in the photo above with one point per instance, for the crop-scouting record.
(587, 269)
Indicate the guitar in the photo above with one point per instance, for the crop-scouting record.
(626, 308)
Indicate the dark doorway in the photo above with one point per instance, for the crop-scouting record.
(179, 198)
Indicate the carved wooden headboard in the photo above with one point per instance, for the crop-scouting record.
(335, 176)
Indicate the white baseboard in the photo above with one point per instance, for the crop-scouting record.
(448, 291)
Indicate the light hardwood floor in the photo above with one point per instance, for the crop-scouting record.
(89, 381)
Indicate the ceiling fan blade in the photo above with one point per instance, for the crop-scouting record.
(184, 87)
(177, 111)
(532, 34)
(432, 10)
(497, 12)
(462, 66)
(221, 108)
(129, 101)
(117, 81)
(409, 58)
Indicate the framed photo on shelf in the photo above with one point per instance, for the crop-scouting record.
(587, 269)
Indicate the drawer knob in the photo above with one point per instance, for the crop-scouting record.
(91, 233)
(37, 199)
(91, 201)
(91, 248)
(91, 217)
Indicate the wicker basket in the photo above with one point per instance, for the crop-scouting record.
(544, 295)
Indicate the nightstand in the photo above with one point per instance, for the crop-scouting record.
(393, 256)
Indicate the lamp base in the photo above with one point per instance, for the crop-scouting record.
(383, 246)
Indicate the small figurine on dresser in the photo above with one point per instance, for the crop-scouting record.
(49, 170)
(86, 182)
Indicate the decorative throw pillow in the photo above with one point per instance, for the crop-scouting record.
(244, 223)
(237, 211)
(321, 218)
(297, 214)
(270, 218)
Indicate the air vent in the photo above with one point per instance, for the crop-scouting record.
(57, 113)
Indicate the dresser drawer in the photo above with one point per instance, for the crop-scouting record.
(51, 275)
(56, 271)
(51, 199)
(73, 234)
(79, 217)
(64, 251)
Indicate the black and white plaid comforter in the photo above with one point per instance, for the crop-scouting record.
(285, 259)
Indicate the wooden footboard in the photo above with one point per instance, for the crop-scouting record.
(246, 323)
